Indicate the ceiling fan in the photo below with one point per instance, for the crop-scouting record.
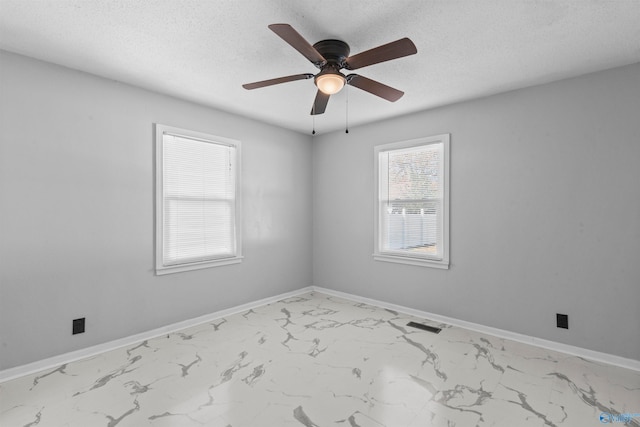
(331, 56)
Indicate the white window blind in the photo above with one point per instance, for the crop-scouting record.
(198, 209)
(411, 202)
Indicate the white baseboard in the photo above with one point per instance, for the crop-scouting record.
(500, 333)
(54, 362)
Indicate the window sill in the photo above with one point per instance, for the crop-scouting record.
(444, 265)
(162, 270)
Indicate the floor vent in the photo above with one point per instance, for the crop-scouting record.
(424, 327)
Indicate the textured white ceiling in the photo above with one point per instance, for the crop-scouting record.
(204, 50)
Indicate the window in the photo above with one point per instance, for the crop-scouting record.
(197, 200)
(412, 202)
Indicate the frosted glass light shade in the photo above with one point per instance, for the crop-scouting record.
(330, 83)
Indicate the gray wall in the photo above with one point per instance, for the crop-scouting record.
(545, 212)
(76, 195)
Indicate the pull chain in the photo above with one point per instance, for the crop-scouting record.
(346, 130)
(313, 118)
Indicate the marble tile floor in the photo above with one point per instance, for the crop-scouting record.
(318, 361)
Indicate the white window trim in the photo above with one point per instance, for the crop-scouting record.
(162, 269)
(405, 259)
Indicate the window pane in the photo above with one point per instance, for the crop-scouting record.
(199, 200)
(411, 201)
(197, 169)
(412, 227)
(415, 173)
(197, 230)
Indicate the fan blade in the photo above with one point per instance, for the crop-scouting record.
(374, 87)
(291, 36)
(386, 52)
(277, 81)
(320, 103)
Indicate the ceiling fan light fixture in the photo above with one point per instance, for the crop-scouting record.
(330, 83)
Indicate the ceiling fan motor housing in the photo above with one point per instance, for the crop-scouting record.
(334, 51)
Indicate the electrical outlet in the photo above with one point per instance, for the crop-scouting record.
(78, 326)
(562, 321)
